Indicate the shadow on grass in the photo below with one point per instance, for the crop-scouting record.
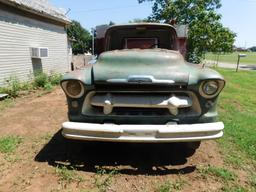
(126, 158)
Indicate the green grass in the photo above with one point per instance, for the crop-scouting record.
(238, 111)
(234, 189)
(232, 58)
(103, 178)
(219, 172)
(67, 174)
(171, 186)
(6, 103)
(166, 187)
(252, 180)
(9, 144)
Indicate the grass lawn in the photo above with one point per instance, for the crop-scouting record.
(237, 109)
(232, 58)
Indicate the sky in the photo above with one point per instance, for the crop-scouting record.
(238, 15)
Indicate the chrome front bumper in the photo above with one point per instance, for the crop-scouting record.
(142, 133)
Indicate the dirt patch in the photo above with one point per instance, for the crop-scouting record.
(34, 115)
(92, 166)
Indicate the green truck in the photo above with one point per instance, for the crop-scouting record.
(141, 89)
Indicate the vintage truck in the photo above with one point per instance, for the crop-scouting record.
(141, 89)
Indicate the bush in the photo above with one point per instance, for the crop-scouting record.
(48, 86)
(193, 58)
(55, 78)
(44, 81)
(41, 79)
(13, 87)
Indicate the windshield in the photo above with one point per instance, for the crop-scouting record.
(141, 37)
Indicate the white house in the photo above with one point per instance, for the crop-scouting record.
(32, 38)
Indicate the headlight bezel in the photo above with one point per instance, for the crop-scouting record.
(220, 84)
(64, 85)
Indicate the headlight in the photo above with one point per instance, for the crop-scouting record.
(211, 88)
(73, 88)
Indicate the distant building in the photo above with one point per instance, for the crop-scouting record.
(32, 38)
(241, 49)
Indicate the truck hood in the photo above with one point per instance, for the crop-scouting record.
(156, 66)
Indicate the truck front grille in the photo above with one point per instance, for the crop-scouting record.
(174, 104)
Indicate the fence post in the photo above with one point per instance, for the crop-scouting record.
(238, 61)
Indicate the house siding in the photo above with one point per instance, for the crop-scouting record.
(17, 34)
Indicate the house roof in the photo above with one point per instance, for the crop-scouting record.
(39, 7)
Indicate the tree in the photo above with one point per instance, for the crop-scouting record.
(82, 39)
(206, 33)
(111, 23)
(253, 49)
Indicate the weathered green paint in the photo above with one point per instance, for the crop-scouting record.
(84, 75)
(198, 74)
(162, 64)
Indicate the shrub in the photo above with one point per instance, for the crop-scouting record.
(55, 78)
(13, 87)
(48, 86)
(27, 86)
(41, 79)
